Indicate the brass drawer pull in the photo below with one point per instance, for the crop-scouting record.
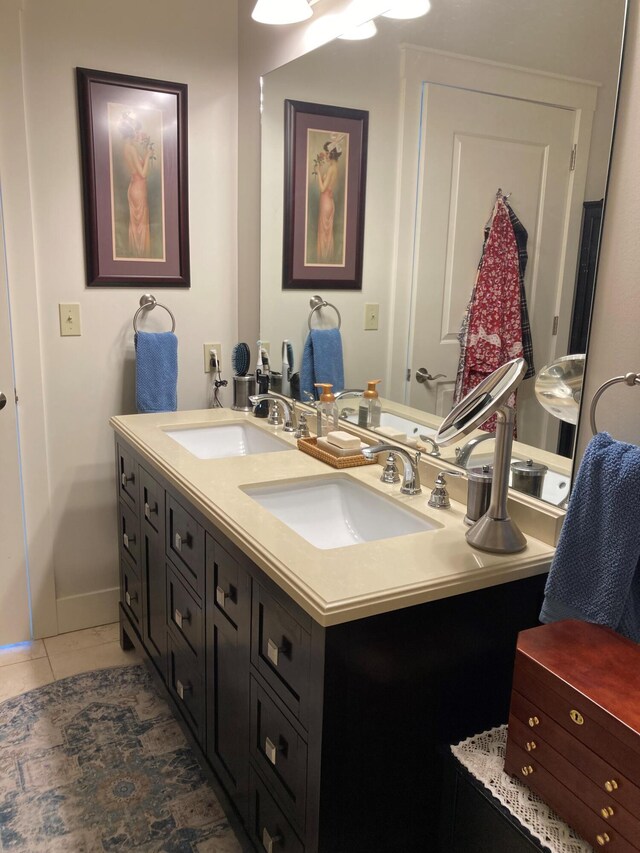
(269, 841)
(577, 717)
(128, 540)
(527, 770)
(181, 688)
(124, 479)
(531, 745)
(611, 785)
(179, 618)
(130, 598)
(534, 721)
(603, 839)
(606, 812)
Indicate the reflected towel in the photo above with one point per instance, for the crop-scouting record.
(156, 371)
(595, 574)
(322, 361)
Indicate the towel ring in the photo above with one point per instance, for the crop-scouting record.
(628, 378)
(317, 303)
(148, 303)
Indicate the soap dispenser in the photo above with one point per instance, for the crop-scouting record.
(370, 408)
(327, 409)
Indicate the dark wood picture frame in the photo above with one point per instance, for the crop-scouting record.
(324, 196)
(133, 142)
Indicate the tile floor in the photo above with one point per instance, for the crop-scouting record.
(27, 665)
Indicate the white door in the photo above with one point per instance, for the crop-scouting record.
(14, 596)
(473, 144)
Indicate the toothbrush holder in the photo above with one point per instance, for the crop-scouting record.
(243, 388)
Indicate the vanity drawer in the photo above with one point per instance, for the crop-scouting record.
(268, 827)
(280, 650)
(524, 713)
(127, 472)
(228, 589)
(186, 686)
(594, 829)
(131, 592)
(185, 544)
(279, 752)
(151, 500)
(129, 534)
(184, 614)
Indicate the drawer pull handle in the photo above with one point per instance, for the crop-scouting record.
(606, 812)
(274, 650)
(181, 688)
(611, 785)
(527, 770)
(221, 596)
(577, 717)
(148, 510)
(179, 541)
(128, 539)
(269, 841)
(130, 598)
(124, 479)
(180, 618)
(534, 721)
(271, 750)
(531, 745)
(603, 839)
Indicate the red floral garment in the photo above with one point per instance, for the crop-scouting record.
(494, 334)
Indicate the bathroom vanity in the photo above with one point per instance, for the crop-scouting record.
(319, 682)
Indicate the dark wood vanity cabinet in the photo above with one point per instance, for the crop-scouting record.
(327, 740)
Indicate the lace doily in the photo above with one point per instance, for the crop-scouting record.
(483, 756)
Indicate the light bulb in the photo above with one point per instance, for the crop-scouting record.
(363, 31)
(281, 11)
(404, 9)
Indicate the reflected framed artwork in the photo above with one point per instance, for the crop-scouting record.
(133, 141)
(324, 196)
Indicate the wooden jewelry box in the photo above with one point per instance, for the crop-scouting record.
(574, 728)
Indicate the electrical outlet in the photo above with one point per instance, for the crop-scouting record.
(69, 318)
(207, 355)
(266, 346)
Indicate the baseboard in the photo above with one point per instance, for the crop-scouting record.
(86, 611)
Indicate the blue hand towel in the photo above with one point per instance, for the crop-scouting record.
(322, 361)
(595, 574)
(156, 371)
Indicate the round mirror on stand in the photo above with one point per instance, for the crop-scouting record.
(494, 531)
(558, 387)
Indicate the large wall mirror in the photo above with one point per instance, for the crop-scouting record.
(473, 97)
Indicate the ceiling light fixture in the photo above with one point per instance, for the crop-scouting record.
(361, 32)
(281, 11)
(404, 9)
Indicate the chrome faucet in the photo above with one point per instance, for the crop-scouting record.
(435, 449)
(349, 392)
(463, 453)
(275, 400)
(411, 479)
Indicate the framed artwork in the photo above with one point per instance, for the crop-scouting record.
(133, 140)
(324, 195)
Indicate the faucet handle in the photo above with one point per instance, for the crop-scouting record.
(390, 473)
(440, 496)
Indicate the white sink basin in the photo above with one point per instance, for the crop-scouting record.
(335, 512)
(410, 428)
(223, 440)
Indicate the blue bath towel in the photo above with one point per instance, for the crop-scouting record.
(595, 575)
(156, 371)
(322, 361)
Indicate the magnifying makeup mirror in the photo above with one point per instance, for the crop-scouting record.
(558, 387)
(494, 531)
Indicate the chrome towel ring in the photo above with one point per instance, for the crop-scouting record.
(317, 303)
(628, 378)
(148, 303)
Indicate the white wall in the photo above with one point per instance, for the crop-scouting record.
(87, 379)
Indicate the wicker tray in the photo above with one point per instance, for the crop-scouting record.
(310, 446)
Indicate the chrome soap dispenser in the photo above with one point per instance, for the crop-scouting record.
(370, 408)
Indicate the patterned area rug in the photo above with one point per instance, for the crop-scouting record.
(97, 762)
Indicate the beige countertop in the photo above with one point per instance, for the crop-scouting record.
(339, 584)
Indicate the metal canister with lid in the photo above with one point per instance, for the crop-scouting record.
(478, 492)
(528, 476)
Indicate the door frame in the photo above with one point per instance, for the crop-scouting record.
(421, 65)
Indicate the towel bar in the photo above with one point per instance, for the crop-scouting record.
(148, 303)
(317, 303)
(628, 379)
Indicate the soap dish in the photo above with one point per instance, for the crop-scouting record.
(325, 444)
(310, 446)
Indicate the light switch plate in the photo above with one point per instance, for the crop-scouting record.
(371, 316)
(69, 318)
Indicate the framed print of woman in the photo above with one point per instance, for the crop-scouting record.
(326, 197)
